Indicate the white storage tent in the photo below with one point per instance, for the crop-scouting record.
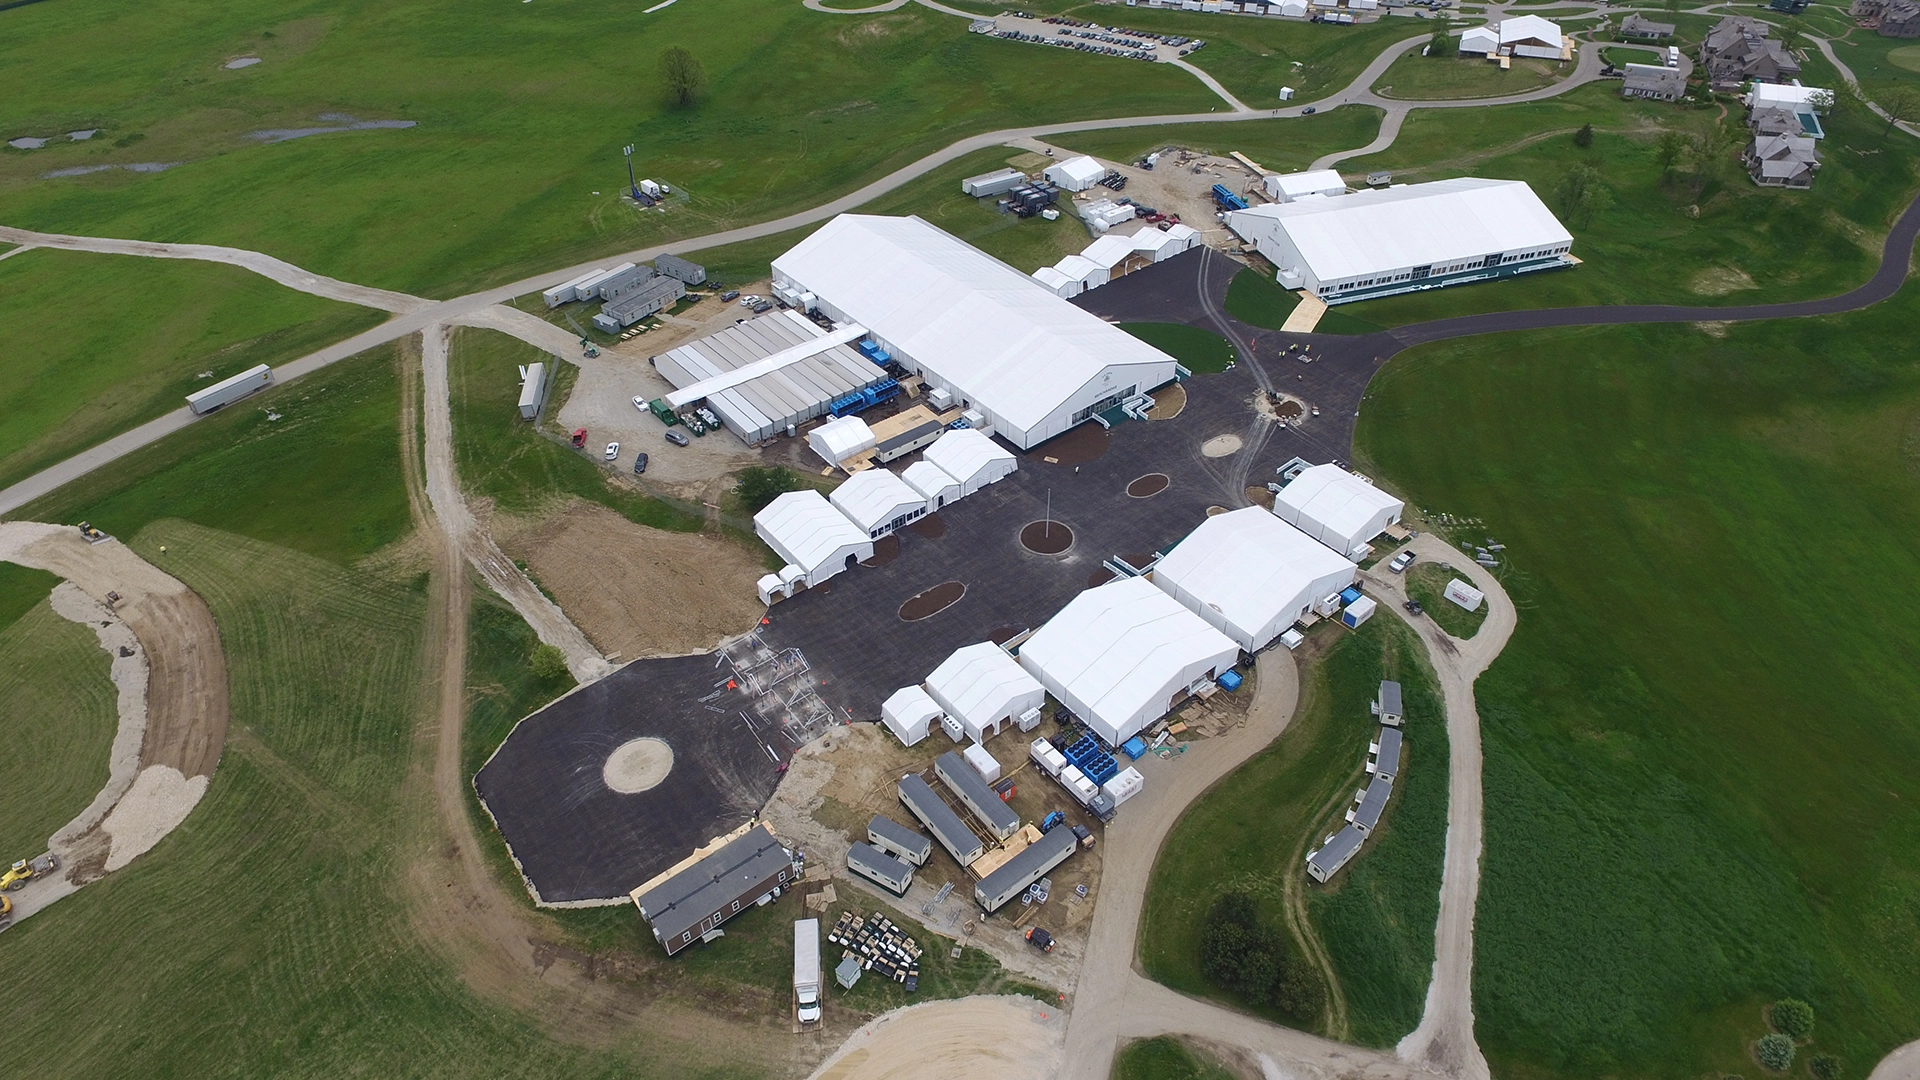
(1057, 283)
(1120, 653)
(982, 688)
(1032, 364)
(837, 440)
(932, 483)
(1109, 253)
(972, 459)
(816, 540)
(1290, 186)
(1076, 173)
(1531, 35)
(910, 714)
(1293, 9)
(1160, 246)
(1250, 575)
(878, 501)
(1337, 508)
(1083, 272)
(1480, 39)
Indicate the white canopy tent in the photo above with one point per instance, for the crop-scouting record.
(1336, 508)
(816, 540)
(1250, 575)
(1120, 653)
(1083, 272)
(1480, 39)
(1290, 186)
(1057, 283)
(837, 440)
(1160, 246)
(910, 714)
(1075, 173)
(878, 501)
(971, 458)
(982, 688)
(933, 484)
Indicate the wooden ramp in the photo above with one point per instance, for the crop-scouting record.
(1306, 315)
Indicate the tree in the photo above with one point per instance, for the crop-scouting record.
(1793, 1018)
(1898, 105)
(1791, 34)
(548, 662)
(1238, 953)
(1441, 44)
(760, 484)
(1775, 1051)
(1581, 194)
(681, 75)
(1825, 1067)
(1669, 150)
(1584, 137)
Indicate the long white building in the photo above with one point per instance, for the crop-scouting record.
(1337, 508)
(1250, 575)
(817, 540)
(965, 322)
(1406, 238)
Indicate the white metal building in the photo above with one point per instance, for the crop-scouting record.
(878, 501)
(1250, 575)
(1120, 654)
(910, 714)
(1075, 173)
(972, 459)
(1337, 508)
(982, 688)
(837, 440)
(763, 375)
(932, 483)
(1032, 364)
(816, 540)
(1406, 238)
(1291, 186)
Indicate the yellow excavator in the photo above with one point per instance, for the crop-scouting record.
(26, 870)
(6, 911)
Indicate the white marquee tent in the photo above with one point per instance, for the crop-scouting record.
(983, 688)
(1075, 173)
(1057, 283)
(910, 714)
(1118, 655)
(972, 459)
(932, 483)
(1337, 508)
(837, 440)
(1291, 186)
(1250, 575)
(878, 501)
(816, 540)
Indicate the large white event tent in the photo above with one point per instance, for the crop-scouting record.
(999, 342)
(816, 540)
(971, 458)
(1120, 653)
(1337, 508)
(1250, 575)
(982, 688)
(878, 501)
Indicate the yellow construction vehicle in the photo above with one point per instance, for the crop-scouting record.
(6, 911)
(26, 870)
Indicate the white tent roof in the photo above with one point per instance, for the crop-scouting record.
(929, 480)
(964, 453)
(1080, 170)
(1294, 185)
(1414, 225)
(1052, 278)
(909, 713)
(1117, 646)
(872, 497)
(1110, 251)
(1530, 28)
(1011, 345)
(980, 683)
(836, 440)
(806, 529)
(1251, 568)
(1788, 97)
(1335, 498)
(1076, 268)
(1479, 39)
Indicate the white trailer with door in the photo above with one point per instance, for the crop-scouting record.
(227, 391)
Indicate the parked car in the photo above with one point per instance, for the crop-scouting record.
(676, 438)
(1413, 607)
(1308, 111)
(613, 450)
(579, 438)
(730, 296)
(639, 464)
(1401, 562)
(640, 403)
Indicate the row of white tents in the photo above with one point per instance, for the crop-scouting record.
(822, 536)
(1113, 256)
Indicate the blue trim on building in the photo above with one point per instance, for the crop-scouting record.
(1463, 277)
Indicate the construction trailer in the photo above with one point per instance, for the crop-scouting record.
(880, 868)
(976, 795)
(227, 391)
(914, 438)
(625, 281)
(1023, 870)
(907, 845)
(690, 906)
(998, 182)
(925, 804)
(1373, 803)
(1339, 850)
(533, 390)
(1386, 755)
(650, 297)
(1387, 706)
(568, 291)
(673, 266)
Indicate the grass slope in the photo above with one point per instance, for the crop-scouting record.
(1287, 145)
(75, 381)
(522, 117)
(1427, 583)
(22, 587)
(1377, 919)
(1429, 78)
(59, 709)
(1165, 1058)
(1199, 351)
(1254, 58)
(1699, 742)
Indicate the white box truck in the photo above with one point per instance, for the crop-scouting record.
(228, 391)
(806, 969)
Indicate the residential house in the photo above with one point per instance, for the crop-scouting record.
(1787, 161)
(1868, 10)
(1639, 29)
(1737, 50)
(1655, 81)
(1901, 20)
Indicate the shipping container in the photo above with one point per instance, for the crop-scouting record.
(227, 391)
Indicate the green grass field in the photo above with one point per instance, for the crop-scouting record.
(1199, 351)
(1377, 919)
(1254, 58)
(1427, 583)
(1698, 742)
(1165, 1058)
(1431, 78)
(154, 326)
(1282, 145)
(22, 587)
(522, 116)
(1258, 300)
(58, 707)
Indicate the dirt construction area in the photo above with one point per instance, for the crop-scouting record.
(615, 579)
(1002, 1038)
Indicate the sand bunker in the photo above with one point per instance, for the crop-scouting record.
(1221, 446)
(638, 765)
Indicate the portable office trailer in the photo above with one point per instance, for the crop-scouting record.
(227, 391)
(945, 825)
(1386, 760)
(908, 441)
(674, 266)
(998, 182)
(653, 294)
(1024, 869)
(693, 903)
(533, 390)
(1388, 704)
(1339, 850)
(899, 841)
(963, 781)
(880, 868)
(1372, 804)
(566, 292)
(590, 288)
(622, 280)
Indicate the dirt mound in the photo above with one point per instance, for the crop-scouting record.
(1046, 537)
(1221, 446)
(885, 550)
(1146, 487)
(931, 602)
(636, 591)
(933, 527)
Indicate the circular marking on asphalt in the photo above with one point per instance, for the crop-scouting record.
(638, 765)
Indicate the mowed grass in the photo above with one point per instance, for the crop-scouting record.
(1251, 831)
(504, 458)
(1254, 58)
(21, 588)
(1439, 78)
(1427, 583)
(521, 116)
(1165, 1058)
(1258, 300)
(59, 710)
(1199, 351)
(1700, 741)
(79, 376)
(1283, 145)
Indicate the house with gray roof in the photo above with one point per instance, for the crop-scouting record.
(1787, 161)
(691, 905)
(1337, 852)
(1738, 50)
(1373, 803)
(1901, 19)
(1656, 82)
(1640, 29)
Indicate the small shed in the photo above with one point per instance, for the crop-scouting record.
(1464, 594)
(1358, 612)
(1339, 850)
(1076, 173)
(982, 762)
(1387, 705)
(847, 973)
(1386, 754)
(910, 714)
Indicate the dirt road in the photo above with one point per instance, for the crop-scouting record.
(992, 1038)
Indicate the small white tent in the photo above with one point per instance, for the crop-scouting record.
(932, 483)
(971, 458)
(910, 714)
(1057, 283)
(837, 440)
(1337, 508)
(1075, 173)
(815, 539)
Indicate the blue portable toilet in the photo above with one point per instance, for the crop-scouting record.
(1349, 594)
(1230, 681)
(1134, 747)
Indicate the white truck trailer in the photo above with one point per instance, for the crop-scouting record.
(228, 391)
(806, 969)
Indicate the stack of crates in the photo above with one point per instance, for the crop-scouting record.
(1029, 199)
(1087, 755)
